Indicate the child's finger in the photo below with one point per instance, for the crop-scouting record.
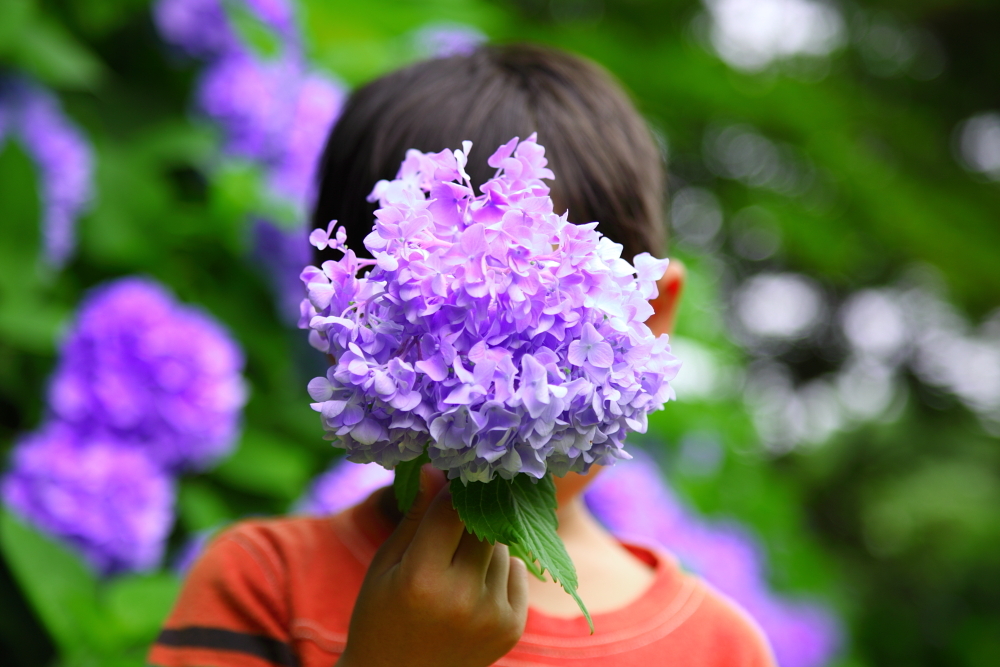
(473, 555)
(390, 553)
(437, 537)
(499, 571)
(517, 587)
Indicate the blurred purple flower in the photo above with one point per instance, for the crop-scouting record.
(343, 485)
(284, 128)
(291, 176)
(5, 114)
(152, 373)
(62, 154)
(315, 108)
(726, 556)
(196, 27)
(107, 501)
(275, 113)
(282, 254)
(202, 28)
(440, 40)
(249, 98)
(271, 111)
(279, 15)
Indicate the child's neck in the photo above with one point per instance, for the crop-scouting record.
(610, 577)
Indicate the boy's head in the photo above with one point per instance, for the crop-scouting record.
(607, 165)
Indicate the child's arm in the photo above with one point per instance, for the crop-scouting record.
(435, 595)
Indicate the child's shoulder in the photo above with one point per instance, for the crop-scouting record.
(275, 533)
(259, 557)
(271, 588)
(731, 629)
(285, 545)
(266, 540)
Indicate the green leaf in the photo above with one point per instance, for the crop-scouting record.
(267, 465)
(518, 551)
(254, 33)
(98, 18)
(21, 236)
(201, 507)
(61, 589)
(406, 484)
(92, 622)
(239, 190)
(51, 53)
(520, 513)
(29, 317)
(139, 604)
(15, 16)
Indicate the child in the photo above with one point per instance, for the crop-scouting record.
(369, 588)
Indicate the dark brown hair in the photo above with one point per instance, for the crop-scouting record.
(607, 166)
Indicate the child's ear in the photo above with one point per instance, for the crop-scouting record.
(668, 298)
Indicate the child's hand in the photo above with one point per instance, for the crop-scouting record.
(435, 595)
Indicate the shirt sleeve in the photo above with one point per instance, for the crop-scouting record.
(232, 609)
(738, 640)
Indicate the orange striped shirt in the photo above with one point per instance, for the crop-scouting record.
(279, 593)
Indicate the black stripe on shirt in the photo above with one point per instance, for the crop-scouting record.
(260, 646)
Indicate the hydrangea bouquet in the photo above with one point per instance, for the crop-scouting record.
(489, 336)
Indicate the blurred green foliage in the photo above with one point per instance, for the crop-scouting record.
(110, 622)
(895, 522)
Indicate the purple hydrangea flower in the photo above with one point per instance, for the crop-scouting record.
(152, 373)
(440, 40)
(273, 112)
(279, 15)
(249, 98)
(202, 28)
(802, 634)
(104, 499)
(196, 27)
(315, 108)
(62, 154)
(489, 328)
(5, 114)
(281, 253)
(291, 176)
(343, 485)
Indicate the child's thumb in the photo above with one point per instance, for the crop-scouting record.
(432, 481)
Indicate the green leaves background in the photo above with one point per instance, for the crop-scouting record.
(110, 622)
